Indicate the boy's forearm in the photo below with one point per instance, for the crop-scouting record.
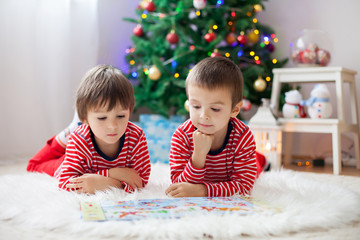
(115, 183)
(116, 173)
(200, 190)
(128, 175)
(198, 160)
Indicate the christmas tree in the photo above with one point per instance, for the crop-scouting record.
(171, 36)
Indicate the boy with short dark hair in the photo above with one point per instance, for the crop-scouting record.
(213, 153)
(106, 150)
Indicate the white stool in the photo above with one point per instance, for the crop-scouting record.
(337, 126)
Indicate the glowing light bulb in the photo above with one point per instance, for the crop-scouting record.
(276, 39)
(134, 74)
(256, 57)
(268, 79)
(215, 27)
(227, 54)
(198, 13)
(274, 61)
(176, 75)
(252, 53)
(268, 146)
(143, 15)
(230, 23)
(256, 31)
(255, 20)
(132, 62)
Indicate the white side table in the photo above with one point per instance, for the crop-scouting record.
(335, 127)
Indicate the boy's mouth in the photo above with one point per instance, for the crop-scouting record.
(205, 125)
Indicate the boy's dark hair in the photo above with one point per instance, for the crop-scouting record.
(218, 72)
(103, 85)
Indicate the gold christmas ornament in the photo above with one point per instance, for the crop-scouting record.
(260, 84)
(143, 3)
(253, 37)
(258, 8)
(186, 105)
(154, 73)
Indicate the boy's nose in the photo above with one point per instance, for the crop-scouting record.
(204, 115)
(112, 124)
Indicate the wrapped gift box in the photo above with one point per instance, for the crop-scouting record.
(158, 131)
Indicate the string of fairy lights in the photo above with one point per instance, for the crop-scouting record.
(252, 37)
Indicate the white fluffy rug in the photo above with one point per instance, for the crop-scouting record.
(34, 200)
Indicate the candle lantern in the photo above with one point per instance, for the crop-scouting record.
(267, 133)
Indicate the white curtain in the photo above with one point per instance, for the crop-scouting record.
(45, 48)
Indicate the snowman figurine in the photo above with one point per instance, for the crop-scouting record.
(292, 107)
(318, 104)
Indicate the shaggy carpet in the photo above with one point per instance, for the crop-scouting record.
(34, 200)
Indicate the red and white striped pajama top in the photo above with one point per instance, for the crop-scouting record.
(228, 171)
(83, 156)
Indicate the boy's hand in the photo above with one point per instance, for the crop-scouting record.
(185, 189)
(202, 145)
(128, 175)
(89, 183)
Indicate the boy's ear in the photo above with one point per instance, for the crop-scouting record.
(236, 109)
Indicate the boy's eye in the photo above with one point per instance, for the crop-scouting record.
(215, 109)
(101, 118)
(121, 116)
(196, 107)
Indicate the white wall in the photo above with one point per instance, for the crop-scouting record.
(28, 116)
(46, 47)
(114, 32)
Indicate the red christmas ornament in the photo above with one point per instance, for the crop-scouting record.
(138, 31)
(209, 37)
(296, 56)
(323, 57)
(270, 47)
(231, 39)
(242, 39)
(172, 37)
(246, 105)
(308, 57)
(150, 6)
(215, 54)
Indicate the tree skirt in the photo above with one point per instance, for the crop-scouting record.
(33, 200)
